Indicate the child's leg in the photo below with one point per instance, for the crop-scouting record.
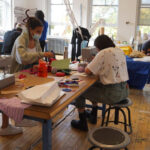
(5, 121)
(80, 124)
(7, 129)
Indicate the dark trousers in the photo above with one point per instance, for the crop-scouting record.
(42, 43)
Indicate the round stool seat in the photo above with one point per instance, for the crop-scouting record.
(109, 138)
(124, 103)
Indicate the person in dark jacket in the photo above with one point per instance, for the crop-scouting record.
(9, 39)
(77, 40)
(146, 47)
(40, 15)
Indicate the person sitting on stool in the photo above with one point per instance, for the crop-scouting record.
(110, 66)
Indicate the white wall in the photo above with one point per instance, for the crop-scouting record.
(21, 3)
(31, 4)
(128, 10)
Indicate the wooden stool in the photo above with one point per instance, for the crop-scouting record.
(119, 108)
(109, 138)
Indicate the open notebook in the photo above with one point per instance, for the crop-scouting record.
(43, 95)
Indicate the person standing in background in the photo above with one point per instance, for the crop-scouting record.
(146, 48)
(40, 15)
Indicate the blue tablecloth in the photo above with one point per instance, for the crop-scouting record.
(139, 73)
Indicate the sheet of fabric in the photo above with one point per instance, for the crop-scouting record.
(13, 108)
(139, 73)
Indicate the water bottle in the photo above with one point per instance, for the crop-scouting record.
(65, 52)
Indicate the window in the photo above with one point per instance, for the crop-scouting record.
(107, 10)
(5, 15)
(59, 20)
(144, 16)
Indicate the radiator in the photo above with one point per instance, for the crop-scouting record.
(57, 44)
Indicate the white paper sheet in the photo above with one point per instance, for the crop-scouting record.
(144, 59)
(45, 94)
(80, 74)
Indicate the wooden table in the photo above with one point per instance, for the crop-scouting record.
(45, 114)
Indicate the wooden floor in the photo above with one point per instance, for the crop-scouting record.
(66, 138)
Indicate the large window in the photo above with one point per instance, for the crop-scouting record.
(5, 15)
(107, 10)
(144, 16)
(58, 19)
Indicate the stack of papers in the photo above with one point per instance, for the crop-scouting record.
(44, 95)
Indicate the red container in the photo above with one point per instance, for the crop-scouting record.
(49, 68)
(42, 69)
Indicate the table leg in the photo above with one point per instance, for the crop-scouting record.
(47, 135)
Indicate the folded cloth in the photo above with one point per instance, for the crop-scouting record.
(13, 108)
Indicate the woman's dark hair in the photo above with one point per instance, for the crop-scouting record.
(103, 41)
(32, 22)
(40, 15)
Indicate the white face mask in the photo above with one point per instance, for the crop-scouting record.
(36, 36)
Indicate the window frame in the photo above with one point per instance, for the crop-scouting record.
(49, 7)
(106, 5)
(106, 25)
(139, 10)
(11, 14)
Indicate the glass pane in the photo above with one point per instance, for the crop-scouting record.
(110, 14)
(110, 31)
(59, 1)
(105, 2)
(144, 16)
(145, 29)
(5, 12)
(111, 2)
(60, 17)
(145, 1)
(1, 10)
(61, 30)
(98, 2)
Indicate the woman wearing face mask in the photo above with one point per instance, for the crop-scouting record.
(26, 50)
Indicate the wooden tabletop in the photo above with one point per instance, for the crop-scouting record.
(42, 111)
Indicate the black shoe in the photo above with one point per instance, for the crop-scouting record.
(80, 124)
(92, 115)
(88, 113)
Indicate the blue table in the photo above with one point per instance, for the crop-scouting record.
(139, 73)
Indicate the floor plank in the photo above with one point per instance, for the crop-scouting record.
(66, 138)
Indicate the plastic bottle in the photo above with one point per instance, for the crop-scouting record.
(65, 52)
